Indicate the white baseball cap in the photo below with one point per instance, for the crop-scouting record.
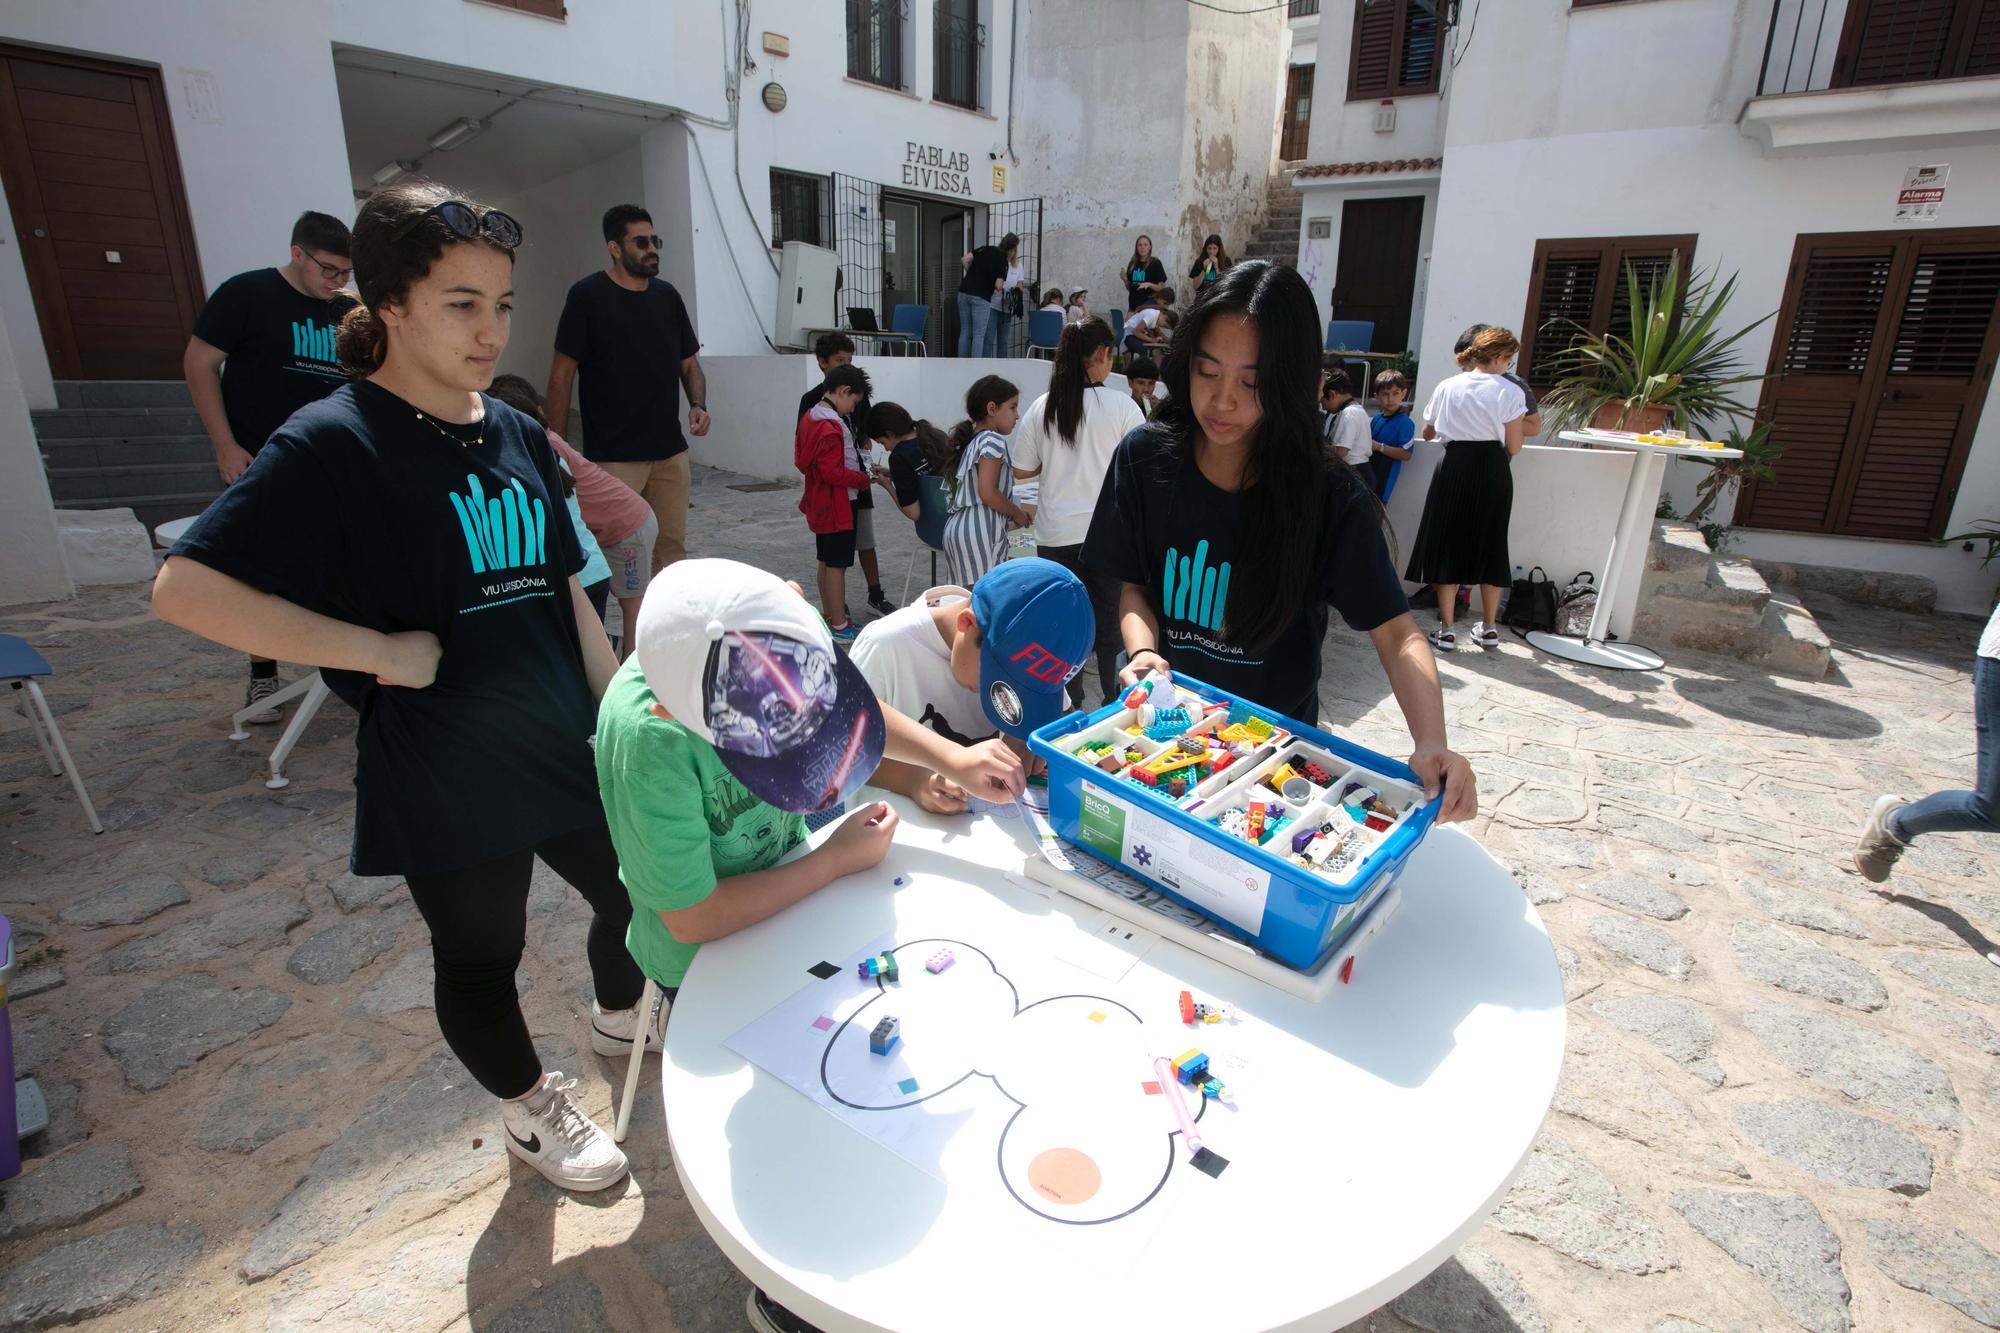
(742, 661)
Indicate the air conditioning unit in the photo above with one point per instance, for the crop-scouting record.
(806, 276)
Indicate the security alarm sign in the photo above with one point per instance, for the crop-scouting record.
(1922, 195)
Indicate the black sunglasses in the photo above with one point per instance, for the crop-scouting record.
(468, 223)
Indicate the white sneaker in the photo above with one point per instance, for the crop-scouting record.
(1485, 635)
(548, 1131)
(611, 1029)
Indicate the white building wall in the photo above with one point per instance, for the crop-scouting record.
(31, 560)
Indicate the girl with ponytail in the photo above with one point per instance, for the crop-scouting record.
(407, 535)
(1066, 437)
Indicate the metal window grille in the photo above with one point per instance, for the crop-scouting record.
(875, 41)
(798, 208)
(957, 38)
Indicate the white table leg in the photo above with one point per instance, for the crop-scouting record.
(293, 730)
(1628, 542)
(271, 704)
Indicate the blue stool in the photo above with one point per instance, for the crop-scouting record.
(20, 667)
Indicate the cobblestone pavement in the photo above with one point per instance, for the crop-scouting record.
(1777, 1109)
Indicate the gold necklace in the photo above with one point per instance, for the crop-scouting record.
(475, 441)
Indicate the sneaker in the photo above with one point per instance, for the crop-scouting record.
(262, 688)
(1444, 641)
(611, 1029)
(550, 1132)
(878, 601)
(767, 1316)
(1485, 635)
(1877, 850)
(845, 632)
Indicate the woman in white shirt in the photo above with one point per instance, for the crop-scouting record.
(1009, 307)
(1066, 437)
(1463, 536)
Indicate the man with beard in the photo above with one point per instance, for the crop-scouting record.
(630, 335)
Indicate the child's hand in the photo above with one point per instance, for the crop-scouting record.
(988, 770)
(941, 796)
(863, 838)
(1139, 665)
(1447, 769)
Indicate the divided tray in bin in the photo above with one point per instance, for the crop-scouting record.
(1334, 822)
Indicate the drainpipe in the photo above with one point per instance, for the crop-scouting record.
(1013, 44)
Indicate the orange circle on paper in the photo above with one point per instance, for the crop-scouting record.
(1064, 1175)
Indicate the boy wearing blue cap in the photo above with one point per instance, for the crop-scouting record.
(972, 664)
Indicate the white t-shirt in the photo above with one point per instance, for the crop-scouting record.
(1351, 435)
(908, 664)
(1143, 319)
(1072, 473)
(1989, 639)
(1473, 405)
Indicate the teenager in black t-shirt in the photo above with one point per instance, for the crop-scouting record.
(408, 536)
(1233, 531)
(985, 271)
(262, 349)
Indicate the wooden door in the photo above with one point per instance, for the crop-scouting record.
(87, 155)
(1880, 364)
(1375, 277)
(1297, 129)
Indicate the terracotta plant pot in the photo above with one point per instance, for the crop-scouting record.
(1640, 420)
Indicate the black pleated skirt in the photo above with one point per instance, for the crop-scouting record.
(1463, 535)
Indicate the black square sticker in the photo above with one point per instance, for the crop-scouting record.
(824, 970)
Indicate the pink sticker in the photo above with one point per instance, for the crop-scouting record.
(822, 1022)
(1150, 1088)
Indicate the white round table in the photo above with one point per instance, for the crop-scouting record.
(1628, 543)
(1372, 1133)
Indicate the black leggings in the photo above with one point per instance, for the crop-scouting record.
(478, 915)
(1110, 642)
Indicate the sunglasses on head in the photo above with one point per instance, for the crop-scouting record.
(468, 223)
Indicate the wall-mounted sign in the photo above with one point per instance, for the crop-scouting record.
(999, 180)
(777, 44)
(1319, 229)
(928, 167)
(1922, 197)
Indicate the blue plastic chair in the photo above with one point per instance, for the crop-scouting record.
(1350, 335)
(1044, 330)
(933, 508)
(21, 666)
(912, 321)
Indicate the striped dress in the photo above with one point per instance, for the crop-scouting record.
(975, 537)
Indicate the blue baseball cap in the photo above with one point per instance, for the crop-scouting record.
(1035, 629)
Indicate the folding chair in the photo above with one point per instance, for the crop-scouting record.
(315, 691)
(1044, 331)
(649, 999)
(911, 321)
(20, 667)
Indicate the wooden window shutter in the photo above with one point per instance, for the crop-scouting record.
(1582, 282)
(1982, 54)
(548, 9)
(1372, 62)
(1903, 41)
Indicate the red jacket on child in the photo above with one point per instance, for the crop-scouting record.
(819, 451)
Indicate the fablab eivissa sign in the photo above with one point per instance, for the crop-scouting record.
(929, 167)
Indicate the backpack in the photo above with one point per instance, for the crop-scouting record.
(1578, 605)
(1531, 605)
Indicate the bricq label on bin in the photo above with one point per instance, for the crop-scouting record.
(1224, 885)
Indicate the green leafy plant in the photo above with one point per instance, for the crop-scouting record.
(1665, 508)
(1759, 463)
(1716, 535)
(1987, 531)
(1676, 358)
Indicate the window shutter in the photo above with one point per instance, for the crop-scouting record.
(1838, 302)
(1894, 41)
(1563, 293)
(1982, 54)
(1371, 63)
(1417, 60)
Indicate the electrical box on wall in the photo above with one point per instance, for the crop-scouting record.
(1319, 229)
(1385, 118)
(805, 292)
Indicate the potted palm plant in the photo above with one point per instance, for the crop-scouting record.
(1677, 367)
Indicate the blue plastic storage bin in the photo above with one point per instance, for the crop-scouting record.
(1293, 912)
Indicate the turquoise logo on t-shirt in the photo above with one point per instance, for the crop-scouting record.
(1192, 591)
(314, 342)
(504, 532)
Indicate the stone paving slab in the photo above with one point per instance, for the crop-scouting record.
(1777, 1109)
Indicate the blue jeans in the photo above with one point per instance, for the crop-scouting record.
(999, 331)
(1965, 811)
(973, 312)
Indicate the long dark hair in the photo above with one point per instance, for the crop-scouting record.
(1222, 260)
(1293, 488)
(388, 261)
(892, 421)
(1068, 380)
(1136, 262)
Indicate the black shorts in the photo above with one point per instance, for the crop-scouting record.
(836, 549)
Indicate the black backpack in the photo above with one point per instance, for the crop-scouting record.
(1531, 605)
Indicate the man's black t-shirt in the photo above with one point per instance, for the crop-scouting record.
(360, 511)
(987, 270)
(280, 348)
(1162, 525)
(863, 498)
(628, 347)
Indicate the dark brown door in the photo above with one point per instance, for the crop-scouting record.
(1297, 128)
(1880, 363)
(87, 155)
(1376, 276)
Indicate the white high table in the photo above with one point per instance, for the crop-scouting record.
(1381, 1125)
(1628, 543)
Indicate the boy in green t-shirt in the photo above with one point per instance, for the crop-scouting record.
(734, 713)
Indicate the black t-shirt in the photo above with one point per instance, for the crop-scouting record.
(628, 347)
(360, 511)
(280, 348)
(1162, 525)
(1150, 271)
(863, 499)
(906, 464)
(987, 270)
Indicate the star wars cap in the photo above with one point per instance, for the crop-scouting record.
(1035, 628)
(743, 662)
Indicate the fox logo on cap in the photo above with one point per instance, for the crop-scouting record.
(1044, 665)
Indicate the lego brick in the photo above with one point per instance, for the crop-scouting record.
(940, 960)
(1187, 1007)
(885, 1036)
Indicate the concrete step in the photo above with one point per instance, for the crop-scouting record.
(92, 485)
(1282, 236)
(1725, 583)
(1678, 548)
(114, 422)
(1791, 640)
(1868, 587)
(122, 393)
(127, 451)
(1656, 626)
(153, 510)
(1699, 610)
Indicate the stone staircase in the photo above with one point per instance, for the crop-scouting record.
(1278, 237)
(137, 445)
(1693, 598)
